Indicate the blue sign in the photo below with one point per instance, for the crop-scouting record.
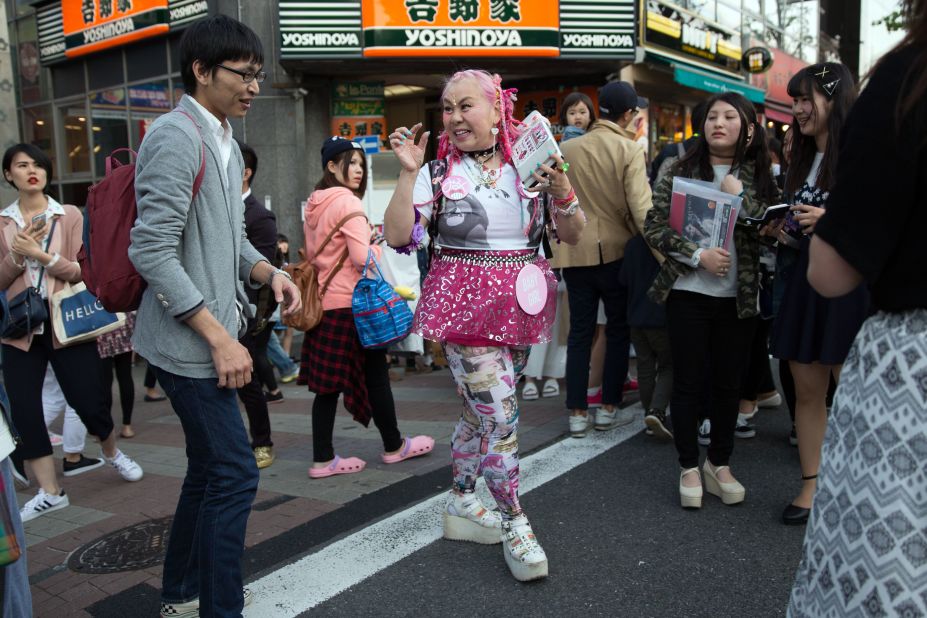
(371, 143)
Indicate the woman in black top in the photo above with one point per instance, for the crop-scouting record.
(864, 551)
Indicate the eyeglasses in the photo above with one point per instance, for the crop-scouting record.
(246, 76)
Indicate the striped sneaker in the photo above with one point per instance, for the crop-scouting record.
(43, 503)
(191, 609)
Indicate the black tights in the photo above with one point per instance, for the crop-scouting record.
(121, 364)
(380, 395)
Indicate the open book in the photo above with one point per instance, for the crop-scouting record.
(702, 214)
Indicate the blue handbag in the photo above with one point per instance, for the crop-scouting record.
(380, 315)
(78, 316)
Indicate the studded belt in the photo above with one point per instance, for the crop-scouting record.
(482, 258)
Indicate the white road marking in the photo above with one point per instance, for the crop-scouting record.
(317, 577)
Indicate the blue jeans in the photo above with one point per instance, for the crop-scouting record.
(278, 357)
(208, 534)
(17, 598)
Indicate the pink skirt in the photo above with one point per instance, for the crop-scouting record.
(468, 298)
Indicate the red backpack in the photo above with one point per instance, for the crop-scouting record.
(109, 216)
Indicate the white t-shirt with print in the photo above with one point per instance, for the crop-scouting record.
(486, 219)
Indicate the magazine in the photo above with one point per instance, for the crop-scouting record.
(532, 147)
(703, 214)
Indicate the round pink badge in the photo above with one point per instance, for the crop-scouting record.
(531, 289)
(456, 187)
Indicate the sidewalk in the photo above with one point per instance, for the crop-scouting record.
(79, 567)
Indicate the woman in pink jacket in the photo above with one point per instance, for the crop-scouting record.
(333, 361)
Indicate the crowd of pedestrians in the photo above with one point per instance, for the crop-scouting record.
(512, 290)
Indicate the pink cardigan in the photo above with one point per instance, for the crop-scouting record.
(323, 212)
(66, 241)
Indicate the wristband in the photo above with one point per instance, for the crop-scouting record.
(569, 210)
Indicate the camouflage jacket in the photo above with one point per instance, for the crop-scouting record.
(664, 239)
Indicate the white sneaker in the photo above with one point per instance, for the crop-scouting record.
(523, 554)
(466, 519)
(770, 402)
(43, 503)
(191, 609)
(605, 420)
(126, 467)
(579, 425)
(704, 433)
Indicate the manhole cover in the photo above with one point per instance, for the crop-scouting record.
(136, 547)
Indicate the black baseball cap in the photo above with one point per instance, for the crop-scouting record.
(618, 97)
(334, 146)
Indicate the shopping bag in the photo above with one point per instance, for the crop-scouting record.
(78, 316)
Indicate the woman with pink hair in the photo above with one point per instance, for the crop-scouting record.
(489, 294)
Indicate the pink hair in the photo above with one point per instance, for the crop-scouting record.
(503, 100)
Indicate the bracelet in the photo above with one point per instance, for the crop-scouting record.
(279, 271)
(570, 210)
(561, 202)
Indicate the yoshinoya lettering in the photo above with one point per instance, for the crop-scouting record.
(321, 39)
(109, 30)
(52, 49)
(598, 40)
(190, 10)
(462, 37)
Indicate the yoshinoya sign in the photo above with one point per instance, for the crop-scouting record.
(441, 28)
(685, 33)
(73, 28)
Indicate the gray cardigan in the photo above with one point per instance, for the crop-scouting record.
(192, 254)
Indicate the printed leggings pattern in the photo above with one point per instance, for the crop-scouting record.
(485, 440)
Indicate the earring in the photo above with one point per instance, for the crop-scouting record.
(495, 132)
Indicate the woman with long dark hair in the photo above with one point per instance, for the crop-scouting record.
(711, 294)
(864, 547)
(812, 333)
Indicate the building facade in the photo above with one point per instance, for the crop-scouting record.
(92, 74)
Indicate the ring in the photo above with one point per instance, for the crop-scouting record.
(565, 167)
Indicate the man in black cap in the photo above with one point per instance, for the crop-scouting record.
(609, 173)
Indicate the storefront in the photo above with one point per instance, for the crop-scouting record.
(686, 57)
(93, 75)
(777, 109)
(393, 55)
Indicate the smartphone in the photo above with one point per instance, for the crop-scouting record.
(38, 222)
(771, 214)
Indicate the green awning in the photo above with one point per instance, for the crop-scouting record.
(709, 82)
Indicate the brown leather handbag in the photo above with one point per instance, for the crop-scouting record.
(306, 277)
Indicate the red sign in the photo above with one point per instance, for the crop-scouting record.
(776, 80)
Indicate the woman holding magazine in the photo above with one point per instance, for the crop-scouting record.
(812, 333)
(711, 293)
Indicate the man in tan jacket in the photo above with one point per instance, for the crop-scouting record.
(609, 172)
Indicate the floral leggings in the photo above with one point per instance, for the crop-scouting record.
(486, 438)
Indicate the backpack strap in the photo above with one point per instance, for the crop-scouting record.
(344, 254)
(198, 181)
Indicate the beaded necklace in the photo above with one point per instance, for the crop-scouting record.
(485, 177)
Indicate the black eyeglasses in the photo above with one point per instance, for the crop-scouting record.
(246, 76)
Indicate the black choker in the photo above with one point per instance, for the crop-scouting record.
(478, 154)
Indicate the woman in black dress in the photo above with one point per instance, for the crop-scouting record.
(812, 333)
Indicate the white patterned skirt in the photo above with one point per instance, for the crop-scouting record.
(865, 550)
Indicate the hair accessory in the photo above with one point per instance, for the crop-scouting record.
(827, 80)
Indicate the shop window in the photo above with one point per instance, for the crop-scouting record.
(386, 169)
(146, 102)
(68, 79)
(38, 129)
(33, 79)
(146, 60)
(74, 193)
(108, 124)
(667, 124)
(105, 69)
(75, 148)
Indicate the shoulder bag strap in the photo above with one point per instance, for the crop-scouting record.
(47, 245)
(344, 254)
(198, 181)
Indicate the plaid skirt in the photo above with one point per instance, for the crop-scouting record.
(332, 361)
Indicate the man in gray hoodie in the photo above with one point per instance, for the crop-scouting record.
(193, 252)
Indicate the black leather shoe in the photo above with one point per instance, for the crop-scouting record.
(795, 515)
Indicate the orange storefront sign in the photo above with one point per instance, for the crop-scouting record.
(403, 28)
(94, 25)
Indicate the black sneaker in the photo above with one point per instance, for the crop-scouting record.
(793, 437)
(271, 398)
(84, 464)
(656, 423)
(744, 428)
